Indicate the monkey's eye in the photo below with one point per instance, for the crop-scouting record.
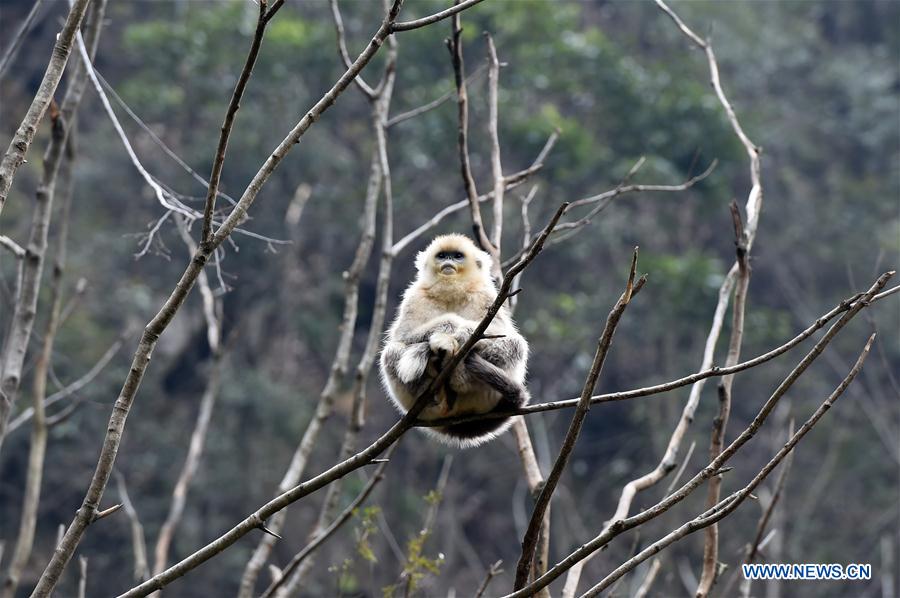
(442, 255)
(458, 255)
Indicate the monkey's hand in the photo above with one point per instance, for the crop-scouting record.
(444, 342)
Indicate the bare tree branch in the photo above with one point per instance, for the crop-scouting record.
(21, 141)
(16, 344)
(567, 229)
(37, 451)
(379, 178)
(233, 106)
(644, 588)
(424, 21)
(494, 133)
(620, 525)
(462, 101)
(324, 534)
(493, 572)
(435, 103)
(757, 543)
(713, 371)
(75, 386)
(730, 503)
(753, 209)
(529, 542)
(82, 576)
(211, 311)
(160, 322)
(15, 43)
(511, 181)
(376, 327)
(12, 247)
(720, 423)
(138, 544)
(364, 87)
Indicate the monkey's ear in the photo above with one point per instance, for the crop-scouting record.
(479, 262)
(421, 259)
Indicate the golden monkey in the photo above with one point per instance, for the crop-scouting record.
(440, 309)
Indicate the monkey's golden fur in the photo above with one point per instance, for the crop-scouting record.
(440, 309)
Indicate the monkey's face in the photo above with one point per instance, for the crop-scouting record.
(450, 262)
(452, 259)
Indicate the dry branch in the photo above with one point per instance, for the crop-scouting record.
(711, 372)
(21, 141)
(379, 179)
(511, 181)
(165, 315)
(37, 450)
(16, 345)
(726, 506)
(529, 542)
(15, 43)
(454, 44)
(720, 423)
(74, 387)
(211, 315)
(138, 544)
(620, 525)
(325, 533)
(753, 209)
(381, 106)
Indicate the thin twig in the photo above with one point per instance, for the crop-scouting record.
(720, 423)
(567, 229)
(711, 372)
(424, 21)
(462, 101)
(620, 525)
(494, 133)
(435, 103)
(512, 181)
(21, 141)
(726, 506)
(493, 572)
(138, 544)
(15, 43)
(75, 386)
(364, 87)
(324, 534)
(529, 542)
